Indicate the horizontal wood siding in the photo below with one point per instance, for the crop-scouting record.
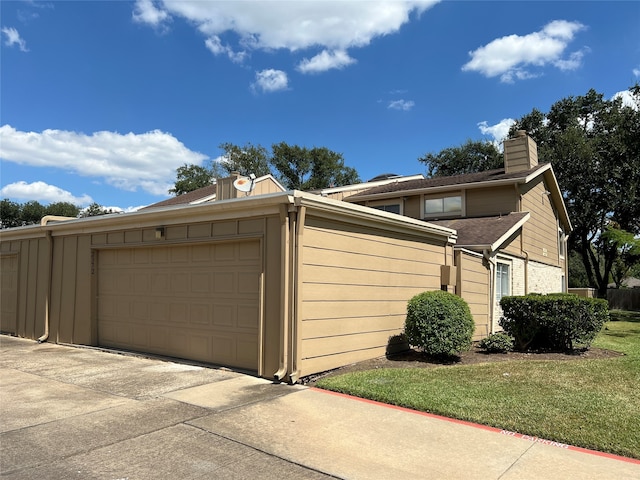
(491, 201)
(356, 283)
(473, 287)
(540, 233)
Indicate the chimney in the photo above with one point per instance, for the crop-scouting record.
(224, 187)
(520, 153)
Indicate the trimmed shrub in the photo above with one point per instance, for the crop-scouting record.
(499, 342)
(562, 322)
(440, 323)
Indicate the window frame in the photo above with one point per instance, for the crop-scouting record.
(443, 212)
(387, 203)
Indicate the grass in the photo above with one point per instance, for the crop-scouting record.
(588, 403)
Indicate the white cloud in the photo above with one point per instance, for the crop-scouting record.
(146, 12)
(324, 61)
(215, 46)
(129, 162)
(512, 56)
(13, 38)
(401, 104)
(628, 100)
(270, 80)
(42, 192)
(636, 72)
(271, 25)
(499, 131)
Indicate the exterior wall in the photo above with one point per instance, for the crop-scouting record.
(354, 288)
(491, 201)
(540, 233)
(544, 278)
(473, 287)
(25, 290)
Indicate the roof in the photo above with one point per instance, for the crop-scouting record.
(484, 232)
(187, 198)
(497, 174)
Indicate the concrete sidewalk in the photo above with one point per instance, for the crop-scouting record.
(68, 412)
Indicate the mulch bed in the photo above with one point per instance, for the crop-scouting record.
(416, 359)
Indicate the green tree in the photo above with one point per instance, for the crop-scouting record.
(246, 159)
(62, 209)
(190, 178)
(627, 247)
(95, 209)
(301, 168)
(31, 212)
(594, 147)
(471, 157)
(10, 214)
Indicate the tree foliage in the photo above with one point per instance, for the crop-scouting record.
(471, 157)
(190, 178)
(593, 145)
(246, 160)
(294, 166)
(95, 210)
(13, 214)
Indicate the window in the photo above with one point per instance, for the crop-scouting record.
(561, 243)
(443, 206)
(390, 207)
(503, 281)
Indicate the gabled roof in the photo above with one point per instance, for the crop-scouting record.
(485, 232)
(196, 196)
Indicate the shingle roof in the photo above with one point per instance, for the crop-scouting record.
(482, 231)
(186, 198)
(486, 176)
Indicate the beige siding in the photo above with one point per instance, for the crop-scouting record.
(356, 283)
(474, 288)
(9, 293)
(491, 201)
(540, 233)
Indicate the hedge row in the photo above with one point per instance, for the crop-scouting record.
(555, 321)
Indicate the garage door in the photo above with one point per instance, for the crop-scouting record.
(198, 302)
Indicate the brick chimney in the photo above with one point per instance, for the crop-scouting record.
(520, 153)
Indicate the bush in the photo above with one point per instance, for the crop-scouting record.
(497, 343)
(439, 323)
(555, 322)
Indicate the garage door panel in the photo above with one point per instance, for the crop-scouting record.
(199, 302)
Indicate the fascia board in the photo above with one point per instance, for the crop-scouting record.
(496, 245)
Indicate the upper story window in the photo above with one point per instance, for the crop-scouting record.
(443, 206)
(393, 207)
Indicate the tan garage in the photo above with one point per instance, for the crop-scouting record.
(199, 302)
(284, 285)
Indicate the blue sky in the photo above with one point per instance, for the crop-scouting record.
(102, 101)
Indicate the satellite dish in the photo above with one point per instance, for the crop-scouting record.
(244, 184)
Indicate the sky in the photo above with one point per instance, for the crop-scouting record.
(103, 101)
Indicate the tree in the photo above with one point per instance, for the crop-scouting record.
(95, 209)
(471, 157)
(31, 212)
(246, 160)
(301, 168)
(627, 247)
(63, 209)
(190, 178)
(9, 214)
(593, 145)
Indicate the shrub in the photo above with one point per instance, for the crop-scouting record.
(497, 343)
(439, 323)
(555, 322)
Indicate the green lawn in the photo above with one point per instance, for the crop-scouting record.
(588, 403)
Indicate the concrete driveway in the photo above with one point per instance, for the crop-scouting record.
(69, 412)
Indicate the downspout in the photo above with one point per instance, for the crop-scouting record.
(487, 256)
(294, 374)
(47, 300)
(284, 288)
